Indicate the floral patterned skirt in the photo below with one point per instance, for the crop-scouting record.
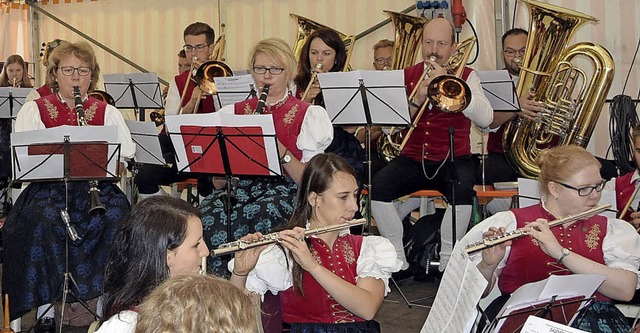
(262, 204)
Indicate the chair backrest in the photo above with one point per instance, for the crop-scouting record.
(529, 195)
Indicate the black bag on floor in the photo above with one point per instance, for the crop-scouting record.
(422, 244)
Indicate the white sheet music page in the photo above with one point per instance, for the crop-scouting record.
(233, 89)
(454, 308)
(385, 93)
(540, 325)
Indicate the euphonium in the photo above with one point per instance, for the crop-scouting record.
(572, 101)
(449, 93)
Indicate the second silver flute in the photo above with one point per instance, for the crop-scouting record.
(274, 237)
(517, 233)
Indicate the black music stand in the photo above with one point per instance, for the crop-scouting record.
(229, 146)
(233, 89)
(138, 91)
(366, 98)
(37, 158)
(11, 100)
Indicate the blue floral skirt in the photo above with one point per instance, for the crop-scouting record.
(263, 204)
(370, 326)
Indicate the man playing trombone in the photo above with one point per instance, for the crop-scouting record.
(421, 163)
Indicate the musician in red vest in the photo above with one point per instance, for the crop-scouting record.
(45, 89)
(627, 195)
(423, 163)
(570, 183)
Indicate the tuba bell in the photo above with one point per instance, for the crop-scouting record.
(572, 101)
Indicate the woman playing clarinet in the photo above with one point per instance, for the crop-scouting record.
(332, 282)
(570, 183)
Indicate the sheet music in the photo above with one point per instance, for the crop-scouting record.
(11, 101)
(145, 136)
(233, 89)
(499, 88)
(145, 86)
(42, 167)
(385, 93)
(461, 287)
(540, 325)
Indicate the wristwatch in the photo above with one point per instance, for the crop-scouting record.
(285, 159)
(565, 252)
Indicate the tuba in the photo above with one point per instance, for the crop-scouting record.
(449, 93)
(572, 101)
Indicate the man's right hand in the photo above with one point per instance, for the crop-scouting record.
(530, 109)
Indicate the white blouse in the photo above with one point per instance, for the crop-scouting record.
(621, 244)
(315, 135)
(28, 119)
(377, 260)
(123, 322)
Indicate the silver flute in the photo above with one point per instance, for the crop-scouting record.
(275, 237)
(517, 233)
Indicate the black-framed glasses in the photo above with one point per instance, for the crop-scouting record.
(197, 48)
(512, 52)
(68, 70)
(272, 70)
(382, 60)
(585, 191)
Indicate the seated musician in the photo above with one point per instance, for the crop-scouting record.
(45, 89)
(423, 163)
(570, 183)
(34, 235)
(330, 282)
(199, 41)
(322, 52)
(627, 195)
(160, 238)
(196, 303)
(302, 131)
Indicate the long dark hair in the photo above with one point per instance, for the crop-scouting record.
(138, 257)
(317, 177)
(332, 39)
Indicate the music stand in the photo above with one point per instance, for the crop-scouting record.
(138, 91)
(228, 145)
(500, 90)
(50, 155)
(366, 98)
(148, 151)
(11, 100)
(233, 89)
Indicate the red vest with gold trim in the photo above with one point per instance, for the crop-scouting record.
(528, 263)
(44, 91)
(206, 105)
(54, 113)
(624, 190)
(287, 117)
(432, 131)
(318, 306)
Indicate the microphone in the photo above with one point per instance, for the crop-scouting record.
(73, 234)
(459, 15)
(233, 189)
(262, 100)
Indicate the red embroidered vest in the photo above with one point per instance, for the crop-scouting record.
(624, 190)
(287, 117)
(54, 113)
(432, 130)
(318, 306)
(206, 105)
(44, 91)
(528, 263)
(494, 142)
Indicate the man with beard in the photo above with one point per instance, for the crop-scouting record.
(423, 163)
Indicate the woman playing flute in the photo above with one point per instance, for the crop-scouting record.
(570, 183)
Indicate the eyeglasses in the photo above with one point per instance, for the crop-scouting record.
(382, 61)
(512, 52)
(197, 48)
(68, 70)
(585, 191)
(272, 70)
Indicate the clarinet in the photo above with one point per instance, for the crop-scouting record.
(94, 191)
(262, 100)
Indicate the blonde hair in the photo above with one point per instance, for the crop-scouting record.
(82, 51)
(196, 303)
(280, 51)
(558, 164)
(382, 44)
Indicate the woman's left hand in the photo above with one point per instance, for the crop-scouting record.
(539, 230)
(294, 241)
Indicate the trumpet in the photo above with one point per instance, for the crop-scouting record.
(517, 233)
(314, 74)
(275, 237)
(14, 82)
